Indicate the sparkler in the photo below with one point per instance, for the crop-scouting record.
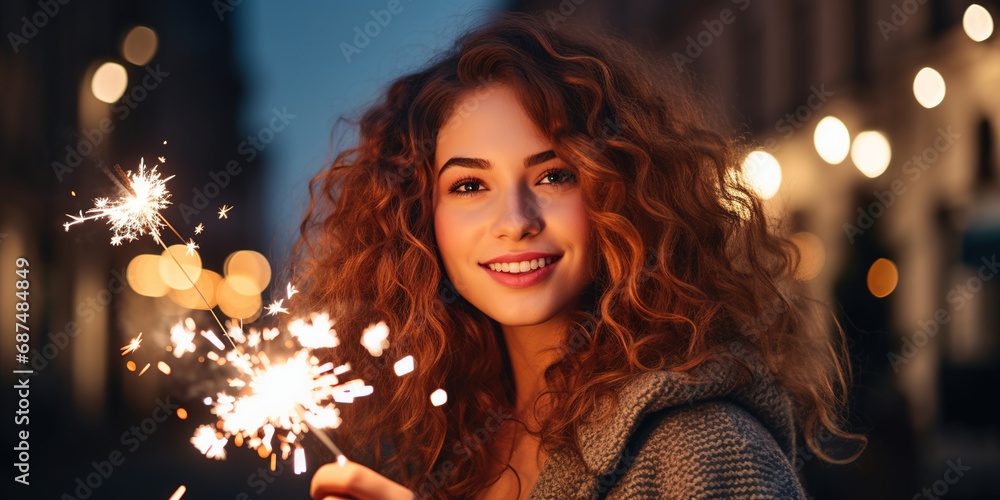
(133, 215)
(267, 400)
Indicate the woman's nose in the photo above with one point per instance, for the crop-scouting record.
(519, 214)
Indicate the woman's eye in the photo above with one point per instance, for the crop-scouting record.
(470, 185)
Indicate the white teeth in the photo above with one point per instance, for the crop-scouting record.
(521, 267)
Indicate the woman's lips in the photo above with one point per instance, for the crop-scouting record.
(522, 280)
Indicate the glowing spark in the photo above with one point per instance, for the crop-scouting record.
(163, 367)
(374, 338)
(403, 366)
(199, 228)
(209, 443)
(439, 397)
(291, 291)
(182, 337)
(164, 142)
(341, 460)
(132, 345)
(191, 247)
(179, 493)
(276, 308)
(163, 159)
(214, 339)
(137, 212)
(144, 369)
(222, 211)
(315, 334)
(300, 460)
(72, 193)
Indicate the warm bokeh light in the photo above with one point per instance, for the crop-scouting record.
(762, 171)
(403, 366)
(882, 277)
(928, 87)
(832, 140)
(139, 45)
(812, 252)
(143, 275)
(871, 153)
(236, 304)
(182, 414)
(439, 397)
(247, 272)
(109, 82)
(978, 23)
(171, 273)
(208, 283)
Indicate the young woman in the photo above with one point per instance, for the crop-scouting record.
(548, 226)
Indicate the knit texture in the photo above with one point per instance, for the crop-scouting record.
(679, 436)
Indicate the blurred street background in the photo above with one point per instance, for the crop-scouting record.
(878, 124)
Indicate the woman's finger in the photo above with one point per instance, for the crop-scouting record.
(355, 481)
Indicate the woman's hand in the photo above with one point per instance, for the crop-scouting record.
(356, 482)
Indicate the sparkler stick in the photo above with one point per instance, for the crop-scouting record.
(341, 458)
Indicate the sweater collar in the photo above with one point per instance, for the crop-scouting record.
(601, 443)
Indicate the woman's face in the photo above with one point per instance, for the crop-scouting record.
(502, 197)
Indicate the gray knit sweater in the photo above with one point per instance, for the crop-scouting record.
(677, 436)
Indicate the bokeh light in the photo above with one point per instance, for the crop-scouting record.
(171, 273)
(813, 255)
(139, 45)
(439, 397)
(109, 82)
(763, 173)
(247, 272)
(871, 153)
(928, 87)
(236, 304)
(832, 140)
(208, 283)
(882, 277)
(977, 22)
(143, 276)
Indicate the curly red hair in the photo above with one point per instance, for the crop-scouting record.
(688, 266)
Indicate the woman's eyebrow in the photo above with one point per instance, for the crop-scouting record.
(480, 163)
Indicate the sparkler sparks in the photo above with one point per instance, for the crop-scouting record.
(291, 291)
(223, 211)
(191, 247)
(137, 212)
(132, 345)
(199, 228)
(276, 308)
